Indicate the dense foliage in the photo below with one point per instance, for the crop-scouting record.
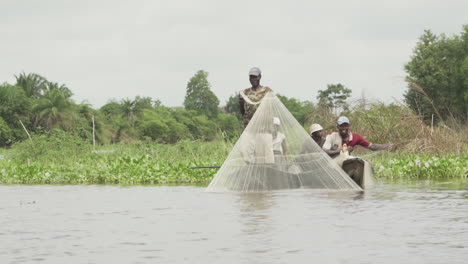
(335, 97)
(301, 110)
(37, 106)
(438, 76)
(61, 158)
(199, 96)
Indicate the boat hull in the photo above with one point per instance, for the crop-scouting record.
(360, 171)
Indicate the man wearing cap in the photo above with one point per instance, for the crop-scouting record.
(335, 140)
(279, 139)
(316, 132)
(250, 98)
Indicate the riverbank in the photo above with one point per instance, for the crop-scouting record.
(150, 163)
(137, 163)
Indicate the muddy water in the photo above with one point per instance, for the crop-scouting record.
(393, 223)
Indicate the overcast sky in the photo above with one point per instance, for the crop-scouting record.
(116, 49)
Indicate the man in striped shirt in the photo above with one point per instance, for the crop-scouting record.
(249, 99)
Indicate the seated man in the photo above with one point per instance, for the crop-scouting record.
(335, 140)
(316, 132)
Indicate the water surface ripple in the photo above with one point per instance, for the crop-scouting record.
(110, 224)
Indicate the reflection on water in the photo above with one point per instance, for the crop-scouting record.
(415, 222)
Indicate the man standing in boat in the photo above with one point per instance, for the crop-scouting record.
(249, 99)
(343, 136)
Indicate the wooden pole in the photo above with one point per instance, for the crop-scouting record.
(25, 129)
(432, 124)
(206, 167)
(94, 135)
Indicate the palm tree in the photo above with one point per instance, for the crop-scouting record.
(53, 107)
(128, 109)
(51, 86)
(86, 110)
(33, 84)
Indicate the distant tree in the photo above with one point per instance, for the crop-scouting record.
(301, 110)
(85, 109)
(111, 109)
(54, 107)
(229, 125)
(15, 106)
(143, 103)
(127, 106)
(199, 96)
(33, 84)
(121, 126)
(84, 123)
(6, 135)
(160, 124)
(206, 129)
(323, 116)
(48, 86)
(438, 76)
(335, 97)
(232, 106)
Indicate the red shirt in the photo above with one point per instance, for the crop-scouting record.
(354, 139)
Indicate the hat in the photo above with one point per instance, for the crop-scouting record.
(342, 120)
(315, 128)
(276, 121)
(255, 71)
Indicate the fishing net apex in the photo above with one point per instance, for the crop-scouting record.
(275, 152)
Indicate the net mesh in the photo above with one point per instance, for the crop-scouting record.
(275, 152)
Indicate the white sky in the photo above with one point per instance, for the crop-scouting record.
(119, 49)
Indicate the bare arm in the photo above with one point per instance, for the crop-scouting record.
(375, 147)
(285, 147)
(332, 153)
(241, 104)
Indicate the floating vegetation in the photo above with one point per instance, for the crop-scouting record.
(421, 167)
(63, 160)
(137, 163)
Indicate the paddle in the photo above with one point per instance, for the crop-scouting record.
(206, 167)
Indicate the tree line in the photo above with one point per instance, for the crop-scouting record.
(36, 105)
(437, 86)
(438, 76)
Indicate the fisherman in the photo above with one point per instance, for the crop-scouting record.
(279, 139)
(343, 136)
(316, 132)
(249, 99)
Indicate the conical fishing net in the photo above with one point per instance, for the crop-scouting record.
(275, 152)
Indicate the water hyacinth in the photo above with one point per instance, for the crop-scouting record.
(423, 167)
(148, 163)
(126, 164)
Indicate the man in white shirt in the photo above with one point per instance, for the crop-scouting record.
(279, 139)
(335, 140)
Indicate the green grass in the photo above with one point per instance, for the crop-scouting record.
(65, 159)
(138, 163)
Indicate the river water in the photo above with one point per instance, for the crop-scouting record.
(422, 222)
